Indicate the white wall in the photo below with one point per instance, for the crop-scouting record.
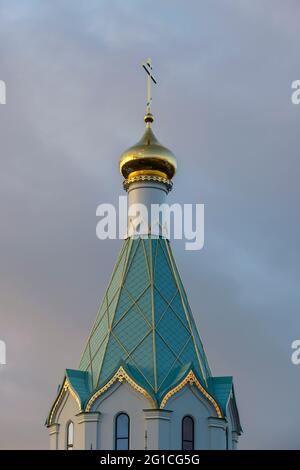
(121, 397)
(190, 402)
(68, 411)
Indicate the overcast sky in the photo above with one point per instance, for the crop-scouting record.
(75, 101)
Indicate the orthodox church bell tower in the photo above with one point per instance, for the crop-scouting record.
(143, 381)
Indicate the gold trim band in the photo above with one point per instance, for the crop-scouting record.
(133, 174)
(192, 380)
(147, 177)
(120, 375)
(65, 388)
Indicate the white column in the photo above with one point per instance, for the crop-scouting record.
(87, 429)
(145, 193)
(54, 433)
(235, 440)
(157, 429)
(217, 431)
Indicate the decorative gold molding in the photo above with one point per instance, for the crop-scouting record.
(191, 380)
(98, 320)
(73, 393)
(133, 174)
(120, 375)
(119, 290)
(65, 388)
(160, 179)
(151, 271)
(186, 310)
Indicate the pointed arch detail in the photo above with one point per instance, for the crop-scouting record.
(191, 379)
(66, 387)
(121, 375)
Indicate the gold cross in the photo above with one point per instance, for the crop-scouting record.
(147, 66)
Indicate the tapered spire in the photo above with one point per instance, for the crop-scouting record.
(145, 324)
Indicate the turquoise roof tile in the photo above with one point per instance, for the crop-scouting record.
(80, 382)
(145, 322)
(221, 388)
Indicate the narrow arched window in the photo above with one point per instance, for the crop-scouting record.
(70, 436)
(122, 432)
(227, 439)
(187, 433)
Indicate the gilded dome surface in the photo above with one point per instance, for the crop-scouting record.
(148, 156)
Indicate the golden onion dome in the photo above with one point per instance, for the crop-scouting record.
(148, 157)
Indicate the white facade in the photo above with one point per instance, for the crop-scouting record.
(149, 428)
(142, 196)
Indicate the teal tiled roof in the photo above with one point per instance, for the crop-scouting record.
(80, 382)
(221, 388)
(145, 323)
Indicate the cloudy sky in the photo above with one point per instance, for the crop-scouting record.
(75, 101)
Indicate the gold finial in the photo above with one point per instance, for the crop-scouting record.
(148, 158)
(147, 66)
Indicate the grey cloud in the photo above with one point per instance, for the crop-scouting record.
(76, 100)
